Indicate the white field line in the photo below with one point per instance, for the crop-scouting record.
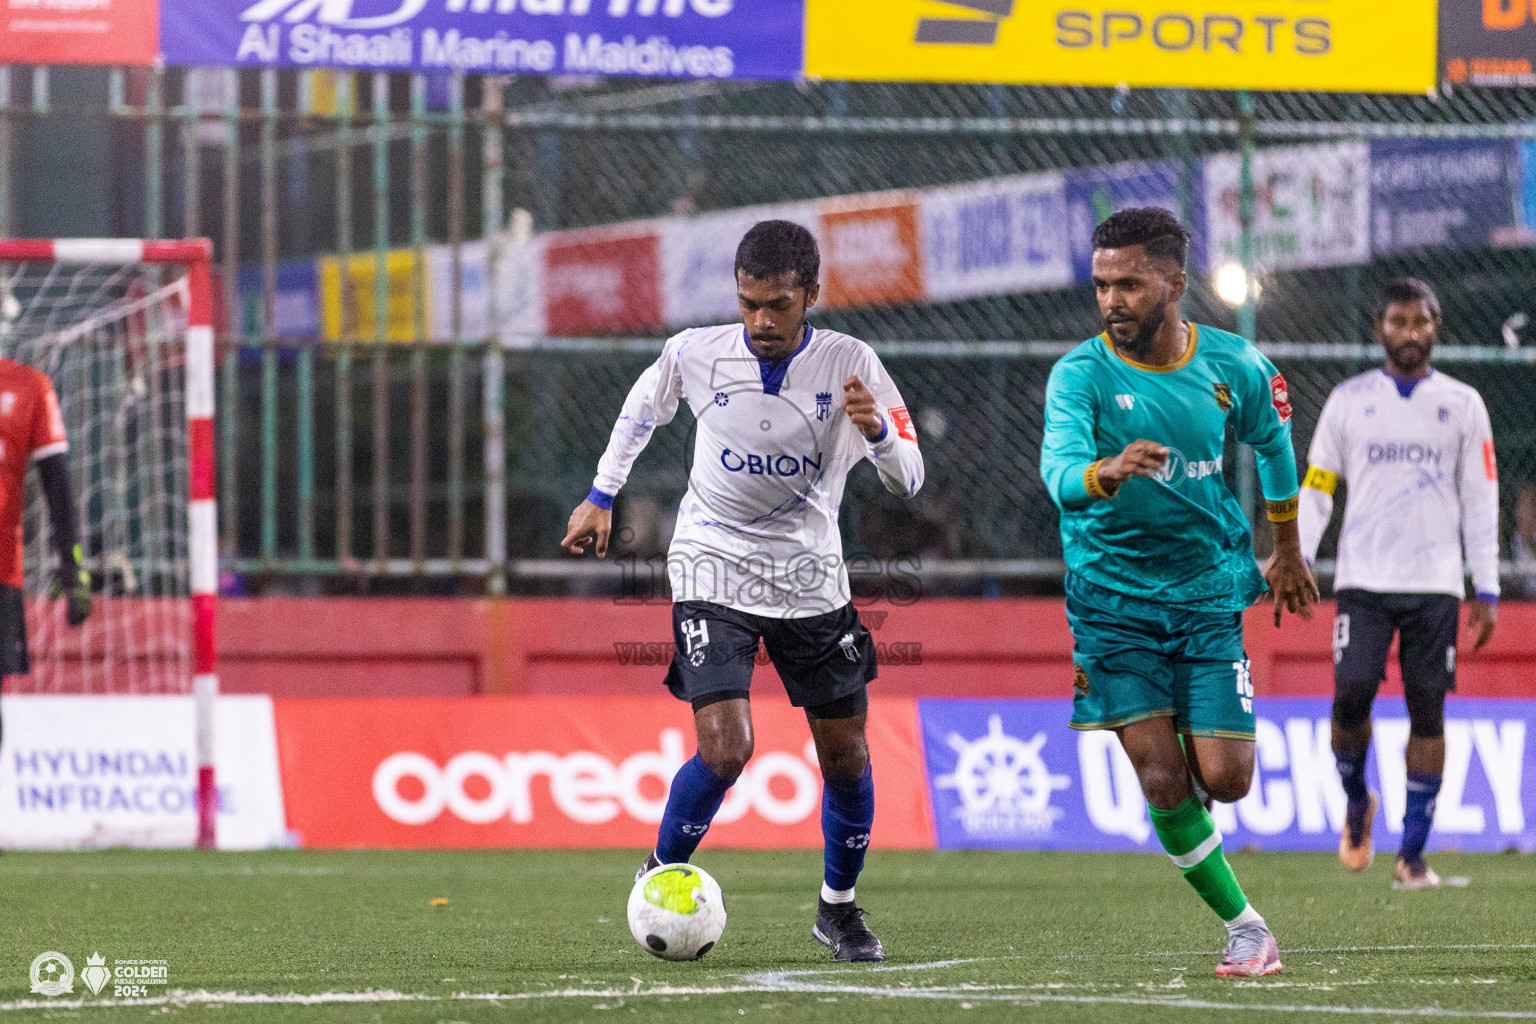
(793, 982)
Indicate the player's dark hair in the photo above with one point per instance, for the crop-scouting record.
(1406, 289)
(1150, 226)
(775, 247)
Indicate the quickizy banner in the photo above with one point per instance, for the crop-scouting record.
(564, 772)
(1340, 45)
(660, 38)
(1011, 775)
(1488, 42)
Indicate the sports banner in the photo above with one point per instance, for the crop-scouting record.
(1011, 775)
(1094, 193)
(121, 771)
(871, 251)
(994, 237)
(699, 39)
(564, 772)
(1488, 42)
(1441, 192)
(602, 281)
(80, 32)
(1311, 206)
(1340, 45)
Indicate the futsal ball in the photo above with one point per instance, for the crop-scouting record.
(676, 912)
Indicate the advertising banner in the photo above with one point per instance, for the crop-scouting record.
(75, 32)
(519, 294)
(1311, 206)
(604, 281)
(1432, 192)
(1204, 44)
(295, 305)
(1093, 193)
(348, 300)
(1488, 42)
(871, 251)
(995, 237)
(700, 39)
(1011, 775)
(122, 771)
(698, 260)
(564, 772)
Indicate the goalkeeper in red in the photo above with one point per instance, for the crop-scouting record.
(32, 432)
(1160, 560)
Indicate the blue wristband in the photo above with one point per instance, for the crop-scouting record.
(884, 430)
(1492, 599)
(600, 498)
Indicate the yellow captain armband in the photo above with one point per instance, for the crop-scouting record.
(1094, 485)
(1321, 480)
(1284, 511)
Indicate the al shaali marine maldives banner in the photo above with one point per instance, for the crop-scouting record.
(1011, 775)
(661, 38)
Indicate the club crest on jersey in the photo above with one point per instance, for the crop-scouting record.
(1280, 394)
(1223, 395)
(823, 404)
(1444, 414)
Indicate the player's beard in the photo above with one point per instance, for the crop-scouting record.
(1409, 358)
(1140, 343)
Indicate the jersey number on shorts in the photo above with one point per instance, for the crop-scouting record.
(696, 634)
(1340, 636)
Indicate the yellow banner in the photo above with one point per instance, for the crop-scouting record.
(347, 303)
(1329, 45)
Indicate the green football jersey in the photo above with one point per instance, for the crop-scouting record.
(1180, 538)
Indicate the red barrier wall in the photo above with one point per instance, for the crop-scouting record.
(332, 647)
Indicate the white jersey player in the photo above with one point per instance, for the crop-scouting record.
(1415, 449)
(784, 411)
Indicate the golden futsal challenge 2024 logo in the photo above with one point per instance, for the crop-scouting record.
(53, 974)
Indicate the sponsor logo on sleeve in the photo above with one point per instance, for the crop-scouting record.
(903, 421)
(1280, 394)
(1490, 462)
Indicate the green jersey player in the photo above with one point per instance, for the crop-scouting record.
(1159, 555)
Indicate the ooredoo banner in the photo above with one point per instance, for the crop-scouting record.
(563, 772)
(80, 32)
(604, 281)
(1011, 775)
(699, 39)
(122, 771)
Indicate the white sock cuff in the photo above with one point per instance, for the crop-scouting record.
(831, 895)
(1247, 917)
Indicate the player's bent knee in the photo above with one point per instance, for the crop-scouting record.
(727, 758)
(1231, 786)
(845, 766)
(1426, 713)
(1352, 705)
(1165, 788)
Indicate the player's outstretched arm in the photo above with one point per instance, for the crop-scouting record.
(71, 581)
(1290, 581)
(588, 528)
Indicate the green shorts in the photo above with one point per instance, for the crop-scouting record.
(1135, 660)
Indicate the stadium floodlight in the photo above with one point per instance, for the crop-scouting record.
(124, 330)
(1232, 285)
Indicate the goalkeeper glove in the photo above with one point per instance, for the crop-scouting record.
(74, 583)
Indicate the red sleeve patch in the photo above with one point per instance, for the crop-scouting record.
(903, 421)
(1490, 464)
(1280, 394)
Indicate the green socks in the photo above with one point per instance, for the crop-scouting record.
(1190, 837)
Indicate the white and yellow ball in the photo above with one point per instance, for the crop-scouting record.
(676, 912)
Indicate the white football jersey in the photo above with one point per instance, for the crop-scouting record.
(1423, 486)
(757, 530)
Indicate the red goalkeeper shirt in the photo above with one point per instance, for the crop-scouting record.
(31, 428)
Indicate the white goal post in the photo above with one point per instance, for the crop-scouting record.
(124, 330)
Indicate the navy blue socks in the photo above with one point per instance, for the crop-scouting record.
(697, 793)
(847, 812)
(1422, 790)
